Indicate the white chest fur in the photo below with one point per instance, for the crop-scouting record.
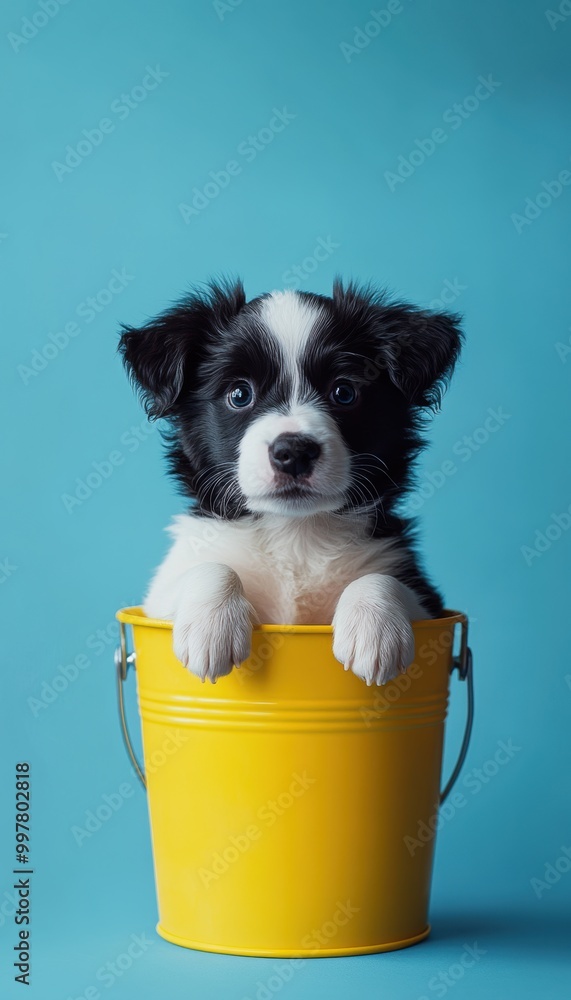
(292, 569)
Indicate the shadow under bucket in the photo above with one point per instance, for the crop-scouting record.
(285, 800)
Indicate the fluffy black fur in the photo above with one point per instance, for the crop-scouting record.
(400, 358)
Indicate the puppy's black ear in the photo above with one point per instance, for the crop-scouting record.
(417, 348)
(421, 350)
(160, 355)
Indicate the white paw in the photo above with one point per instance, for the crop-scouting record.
(212, 635)
(372, 633)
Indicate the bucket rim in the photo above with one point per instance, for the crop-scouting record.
(136, 616)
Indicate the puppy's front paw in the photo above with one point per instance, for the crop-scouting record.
(372, 634)
(212, 635)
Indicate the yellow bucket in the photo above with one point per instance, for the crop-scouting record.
(286, 801)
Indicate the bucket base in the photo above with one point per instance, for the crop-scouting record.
(292, 953)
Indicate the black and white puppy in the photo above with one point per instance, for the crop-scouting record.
(294, 422)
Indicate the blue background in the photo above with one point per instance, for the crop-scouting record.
(322, 176)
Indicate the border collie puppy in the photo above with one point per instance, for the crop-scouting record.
(294, 422)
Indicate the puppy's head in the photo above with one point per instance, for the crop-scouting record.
(292, 403)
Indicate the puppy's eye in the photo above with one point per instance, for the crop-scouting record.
(343, 393)
(240, 395)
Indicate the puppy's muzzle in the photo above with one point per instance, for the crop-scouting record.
(294, 454)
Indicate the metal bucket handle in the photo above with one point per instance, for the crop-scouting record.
(462, 663)
(124, 660)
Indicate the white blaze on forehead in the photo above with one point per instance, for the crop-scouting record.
(290, 320)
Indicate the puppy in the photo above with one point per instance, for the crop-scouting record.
(294, 420)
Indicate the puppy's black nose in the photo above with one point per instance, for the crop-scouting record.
(294, 454)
